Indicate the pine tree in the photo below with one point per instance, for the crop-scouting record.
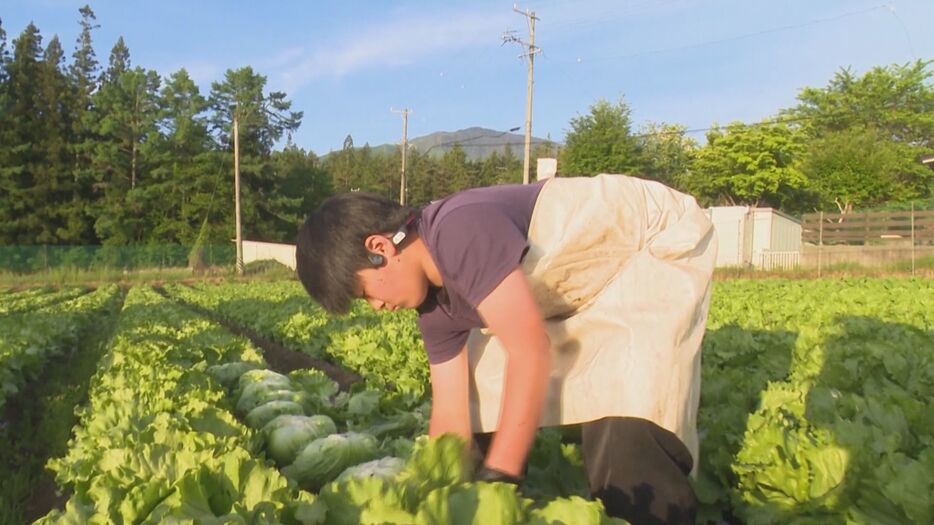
(126, 113)
(454, 176)
(188, 183)
(4, 55)
(263, 119)
(83, 74)
(18, 223)
(6, 131)
(119, 62)
(54, 181)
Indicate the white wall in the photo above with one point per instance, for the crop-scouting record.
(786, 233)
(746, 234)
(262, 251)
(730, 225)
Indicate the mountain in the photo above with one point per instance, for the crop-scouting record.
(477, 143)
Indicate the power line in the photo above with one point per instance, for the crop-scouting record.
(738, 37)
(911, 46)
(609, 16)
(686, 131)
(461, 142)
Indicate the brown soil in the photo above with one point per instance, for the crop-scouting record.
(283, 360)
(44, 498)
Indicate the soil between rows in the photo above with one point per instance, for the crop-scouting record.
(281, 358)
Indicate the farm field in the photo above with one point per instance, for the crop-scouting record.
(245, 403)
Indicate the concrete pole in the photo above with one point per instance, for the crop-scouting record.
(912, 237)
(820, 244)
(405, 149)
(239, 234)
(530, 54)
(527, 155)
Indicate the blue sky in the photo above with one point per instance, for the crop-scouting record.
(345, 64)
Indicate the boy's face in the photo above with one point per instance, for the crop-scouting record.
(398, 283)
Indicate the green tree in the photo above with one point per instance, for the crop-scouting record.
(83, 77)
(364, 174)
(263, 119)
(6, 131)
(510, 171)
(302, 177)
(127, 110)
(490, 168)
(421, 174)
(667, 152)
(600, 142)
(188, 186)
(19, 224)
(55, 184)
(749, 165)
(340, 166)
(879, 125)
(454, 175)
(119, 62)
(896, 100)
(858, 167)
(4, 55)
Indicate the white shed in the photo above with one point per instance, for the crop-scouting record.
(761, 237)
(274, 251)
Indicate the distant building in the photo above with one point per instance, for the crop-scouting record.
(546, 168)
(760, 237)
(266, 251)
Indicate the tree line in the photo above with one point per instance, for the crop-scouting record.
(115, 154)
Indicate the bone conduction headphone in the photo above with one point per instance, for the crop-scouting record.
(397, 238)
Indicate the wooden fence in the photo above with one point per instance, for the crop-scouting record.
(916, 227)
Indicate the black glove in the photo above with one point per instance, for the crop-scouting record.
(493, 475)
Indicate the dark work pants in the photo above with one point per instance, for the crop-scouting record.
(638, 469)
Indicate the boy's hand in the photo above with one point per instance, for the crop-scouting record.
(493, 475)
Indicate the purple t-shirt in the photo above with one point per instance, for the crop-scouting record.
(476, 237)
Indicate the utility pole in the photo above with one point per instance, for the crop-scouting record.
(509, 36)
(405, 148)
(236, 141)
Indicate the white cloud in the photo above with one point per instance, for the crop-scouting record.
(392, 43)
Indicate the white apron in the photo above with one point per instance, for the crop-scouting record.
(621, 268)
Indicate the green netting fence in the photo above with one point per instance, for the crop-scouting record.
(30, 259)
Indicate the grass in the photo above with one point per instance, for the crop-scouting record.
(923, 267)
(273, 271)
(59, 277)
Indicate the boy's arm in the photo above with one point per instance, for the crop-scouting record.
(450, 397)
(512, 314)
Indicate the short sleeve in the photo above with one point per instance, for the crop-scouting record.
(442, 343)
(476, 247)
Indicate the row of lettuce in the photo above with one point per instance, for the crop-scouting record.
(186, 424)
(39, 325)
(814, 409)
(36, 298)
(383, 348)
(813, 399)
(815, 406)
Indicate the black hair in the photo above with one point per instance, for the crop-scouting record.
(329, 248)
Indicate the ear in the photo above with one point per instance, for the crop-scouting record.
(379, 244)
